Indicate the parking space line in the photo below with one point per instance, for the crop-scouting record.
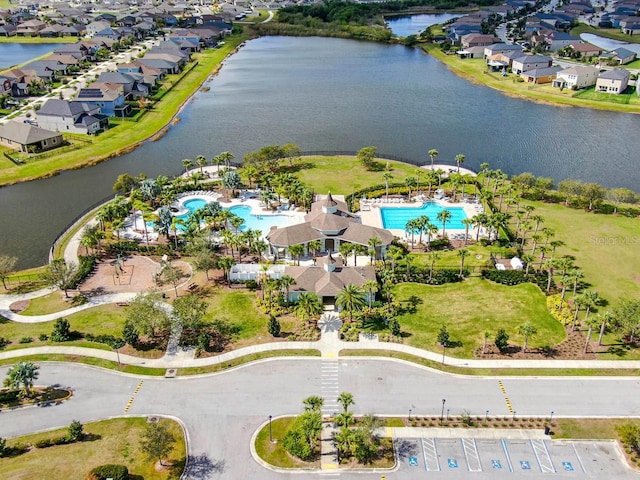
(430, 453)
(506, 454)
(578, 457)
(471, 454)
(542, 456)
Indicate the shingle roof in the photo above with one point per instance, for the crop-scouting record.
(328, 284)
(615, 74)
(24, 133)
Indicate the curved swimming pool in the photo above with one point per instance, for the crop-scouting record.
(396, 218)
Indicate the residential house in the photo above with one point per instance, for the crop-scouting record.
(5, 84)
(94, 27)
(133, 84)
(72, 117)
(586, 49)
(52, 31)
(621, 55)
(7, 30)
(558, 40)
(165, 66)
(30, 28)
(477, 40)
(471, 52)
(28, 138)
(109, 98)
(503, 60)
(576, 78)
(76, 30)
(530, 62)
(613, 81)
(540, 75)
(501, 48)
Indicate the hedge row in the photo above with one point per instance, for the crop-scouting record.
(514, 277)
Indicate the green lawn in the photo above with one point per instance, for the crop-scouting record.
(274, 453)
(121, 139)
(470, 308)
(476, 70)
(238, 307)
(51, 303)
(614, 33)
(345, 174)
(479, 256)
(115, 442)
(16, 39)
(605, 247)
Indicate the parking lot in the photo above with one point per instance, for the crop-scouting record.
(458, 458)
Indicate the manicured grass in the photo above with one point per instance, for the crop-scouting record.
(470, 308)
(17, 39)
(476, 71)
(51, 303)
(614, 33)
(479, 256)
(345, 174)
(100, 320)
(274, 453)
(121, 139)
(588, 428)
(604, 246)
(114, 441)
(534, 372)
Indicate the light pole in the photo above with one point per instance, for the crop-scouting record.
(444, 400)
(409, 414)
(270, 431)
(551, 417)
(513, 419)
(486, 416)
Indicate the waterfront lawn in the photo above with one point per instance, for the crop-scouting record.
(476, 70)
(470, 308)
(17, 39)
(344, 174)
(614, 33)
(100, 320)
(605, 247)
(115, 441)
(591, 94)
(121, 139)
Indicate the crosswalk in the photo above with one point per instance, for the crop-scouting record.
(330, 386)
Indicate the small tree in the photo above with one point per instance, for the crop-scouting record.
(366, 156)
(21, 376)
(7, 265)
(394, 327)
(157, 442)
(502, 340)
(61, 331)
(75, 432)
(274, 326)
(313, 403)
(345, 399)
(129, 333)
(527, 330)
(3, 447)
(61, 274)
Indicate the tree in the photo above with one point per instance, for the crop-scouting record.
(286, 281)
(189, 311)
(172, 274)
(301, 438)
(462, 253)
(387, 176)
(501, 340)
(308, 305)
(433, 153)
(201, 161)
(313, 403)
(187, 163)
(467, 222)
(7, 265)
(486, 337)
(147, 314)
(205, 260)
(366, 156)
(459, 160)
(61, 331)
(443, 217)
(374, 243)
(296, 252)
(273, 326)
(129, 333)
(345, 399)
(350, 298)
(527, 330)
(61, 274)
(627, 318)
(371, 287)
(157, 442)
(394, 327)
(605, 318)
(75, 431)
(411, 183)
(21, 377)
(291, 151)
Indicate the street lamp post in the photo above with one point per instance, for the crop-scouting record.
(448, 410)
(270, 431)
(513, 419)
(486, 416)
(551, 418)
(409, 414)
(444, 400)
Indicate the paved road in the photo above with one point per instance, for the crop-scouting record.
(222, 411)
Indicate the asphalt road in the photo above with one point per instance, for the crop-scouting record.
(222, 411)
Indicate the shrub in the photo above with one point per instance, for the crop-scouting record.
(43, 337)
(26, 340)
(559, 309)
(502, 340)
(274, 326)
(61, 331)
(75, 431)
(115, 472)
(251, 285)
(3, 447)
(4, 342)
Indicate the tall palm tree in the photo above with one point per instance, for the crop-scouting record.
(314, 246)
(350, 298)
(412, 227)
(462, 253)
(371, 287)
(345, 250)
(308, 305)
(286, 281)
(443, 217)
(528, 260)
(187, 163)
(467, 222)
(296, 252)
(576, 276)
(226, 158)
(395, 253)
(374, 243)
(387, 176)
(422, 223)
(459, 160)
(592, 323)
(433, 257)
(605, 319)
(433, 153)
(225, 264)
(201, 161)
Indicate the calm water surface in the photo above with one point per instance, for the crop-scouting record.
(333, 94)
(12, 54)
(414, 24)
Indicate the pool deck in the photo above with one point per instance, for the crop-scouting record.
(370, 214)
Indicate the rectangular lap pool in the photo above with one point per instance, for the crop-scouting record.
(395, 218)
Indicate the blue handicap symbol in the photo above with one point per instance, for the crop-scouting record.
(453, 463)
(496, 464)
(413, 461)
(525, 465)
(567, 466)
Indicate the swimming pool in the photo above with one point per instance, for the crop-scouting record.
(396, 218)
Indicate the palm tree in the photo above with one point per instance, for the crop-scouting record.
(395, 253)
(443, 217)
(462, 253)
(550, 265)
(308, 305)
(433, 257)
(21, 376)
(350, 298)
(590, 301)
(422, 223)
(345, 399)
(411, 183)
(527, 330)
(433, 153)
(296, 252)
(226, 158)
(371, 287)
(528, 260)
(201, 161)
(313, 403)
(314, 247)
(592, 323)
(187, 163)
(411, 227)
(605, 319)
(467, 222)
(287, 281)
(575, 274)
(459, 160)
(387, 176)
(374, 243)
(431, 230)
(346, 249)
(226, 263)
(487, 336)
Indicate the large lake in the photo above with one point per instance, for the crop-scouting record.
(333, 94)
(12, 54)
(413, 24)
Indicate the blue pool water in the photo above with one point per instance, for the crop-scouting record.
(253, 222)
(397, 218)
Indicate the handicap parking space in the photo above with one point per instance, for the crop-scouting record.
(565, 457)
(492, 456)
(451, 454)
(521, 456)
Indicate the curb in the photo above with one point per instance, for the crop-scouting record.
(45, 403)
